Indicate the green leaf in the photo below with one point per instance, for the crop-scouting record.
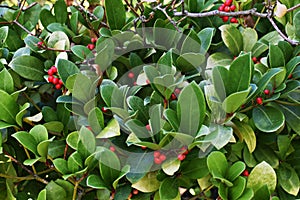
(105, 53)
(39, 132)
(218, 59)
(249, 39)
(42, 147)
(61, 165)
(168, 188)
(191, 109)
(262, 174)
(195, 169)
(6, 81)
(219, 135)
(28, 67)
(60, 11)
(171, 116)
(137, 105)
(245, 133)
(296, 22)
(292, 116)
(115, 13)
(190, 61)
(42, 195)
(191, 43)
(267, 119)
(275, 56)
(235, 170)
(265, 153)
(238, 188)
(164, 63)
(3, 35)
(9, 108)
(96, 120)
(140, 164)
(72, 139)
(248, 194)
(110, 166)
(234, 101)
(288, 179)
(54, 126)
(217, 164)
(27, 140)
(49, 114)
(112, 129)
(258, 49)
(81, 51)
(206, 36)
(95, 181)
(75, 162)
(54, 191)
(87, 138)
(65, 69)
(195, 5)
(232, 38)
(46, 17)
(148, 183)
(171, 166)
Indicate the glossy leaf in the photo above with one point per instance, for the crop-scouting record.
(246, 133)
(28, 67)
(267, 119)
(232, 38)
(27, 140)
(191, 109)
(6, 81)
(65, 69)
(217, 164)
(171, 166)
(148, 183)
(112, 129)
(168, 189)
(288, 179)
(115, 13)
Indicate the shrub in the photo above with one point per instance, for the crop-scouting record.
(150, 100)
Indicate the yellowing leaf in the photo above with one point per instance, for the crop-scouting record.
(280, 10)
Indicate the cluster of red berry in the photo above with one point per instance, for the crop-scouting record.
(53, 78)
(182, 155)
(159, 157)
(92, 45)
(228, 7)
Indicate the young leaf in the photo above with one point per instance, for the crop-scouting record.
(217, 164)
(148, 183)
(168, 189)
(65, 69)
(232, 38)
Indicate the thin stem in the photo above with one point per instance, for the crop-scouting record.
(286, 103)
(163, 10)
(31, 101)
(293, 8)
(292, 42)
(22, 27)
(76, 186)
(28, 156)
(221, 13)
(36, 177)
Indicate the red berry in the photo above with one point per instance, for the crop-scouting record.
(259, 100)
(173, 96)
(50, 79)
(221, 8)
(135, 192)
(156, 154)
(228, 2)
(55, 81)
(232, 7)
(50, 72)
(54, 69)
(227, 9)
(144, 147)
(245, 172)
(40, 44)
(112, 148)
(234, 20)
(58, 86)
(90, 46)
(93, 40)
(148, 127)
(290, 76)
(60, 82)
(267, 92)
(134, 83)
(177, 91)
(104, 109)
(157, 161)
(225, 18)
(234, 57)
(147, 81)
(254, 59)
(88, 127)
(181, 157)
(130, 75)
(162, 157)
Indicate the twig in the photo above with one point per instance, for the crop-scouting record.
(22, 27)
(292, 42)
(221, 13)
(131, 8)
(35, 176)
(293, 8)
(76, 186)
(163, 10)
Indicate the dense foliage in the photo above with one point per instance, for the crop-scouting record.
(131, 99)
